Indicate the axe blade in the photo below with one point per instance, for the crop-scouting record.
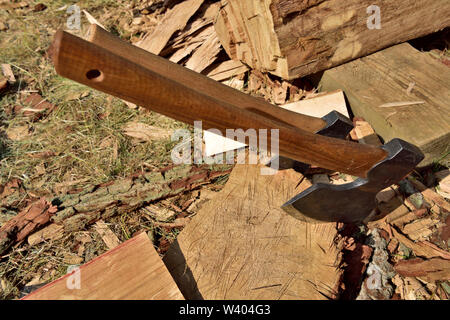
(353, 202)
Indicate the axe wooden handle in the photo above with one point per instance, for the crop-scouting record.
(148, 86)
(199, 82)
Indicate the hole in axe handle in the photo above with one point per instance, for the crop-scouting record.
(94, 75)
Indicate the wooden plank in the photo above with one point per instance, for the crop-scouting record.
(387, 77)
(133, 270)
(241, 245)
(176, 19)
(292, 39)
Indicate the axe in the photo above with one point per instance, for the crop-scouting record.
(135, 75)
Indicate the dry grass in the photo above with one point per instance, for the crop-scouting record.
(83, 132)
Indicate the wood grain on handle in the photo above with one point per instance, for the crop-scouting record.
(200, 83)
(103, 70)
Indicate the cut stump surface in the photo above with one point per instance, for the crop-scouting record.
(242, 245)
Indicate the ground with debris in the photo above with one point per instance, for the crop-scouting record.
(64, 143)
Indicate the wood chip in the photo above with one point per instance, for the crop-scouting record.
(7, 72)
(226, 70)
(17, 133)
(4, 84)
(320, 178)
(205, 55)
(365, 134)
(174, 20)
(235, 83)
(409, 288)
(72, 259)
(421, 229)
(187, 46)
(178, 223)
(92, 20)
(145, 132)
(279, 93)
(107, 235)
(158, 213)
(3, 26)
(400, 104)
(321, 105)
(51, 232)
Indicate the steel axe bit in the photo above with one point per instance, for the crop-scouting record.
(188, 98)
(353, 202)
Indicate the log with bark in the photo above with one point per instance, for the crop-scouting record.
(295, 38)
(80, 208)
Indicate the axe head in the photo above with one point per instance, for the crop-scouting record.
(353, 202)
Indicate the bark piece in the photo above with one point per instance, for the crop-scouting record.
(145, 132)
(377, 284)
(422, 248)
(26, 222)
(430, 270)
(80, 208)
(241, 245)
(34, 107)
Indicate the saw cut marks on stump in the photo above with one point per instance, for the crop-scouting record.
(242, 245)
(131, 271)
